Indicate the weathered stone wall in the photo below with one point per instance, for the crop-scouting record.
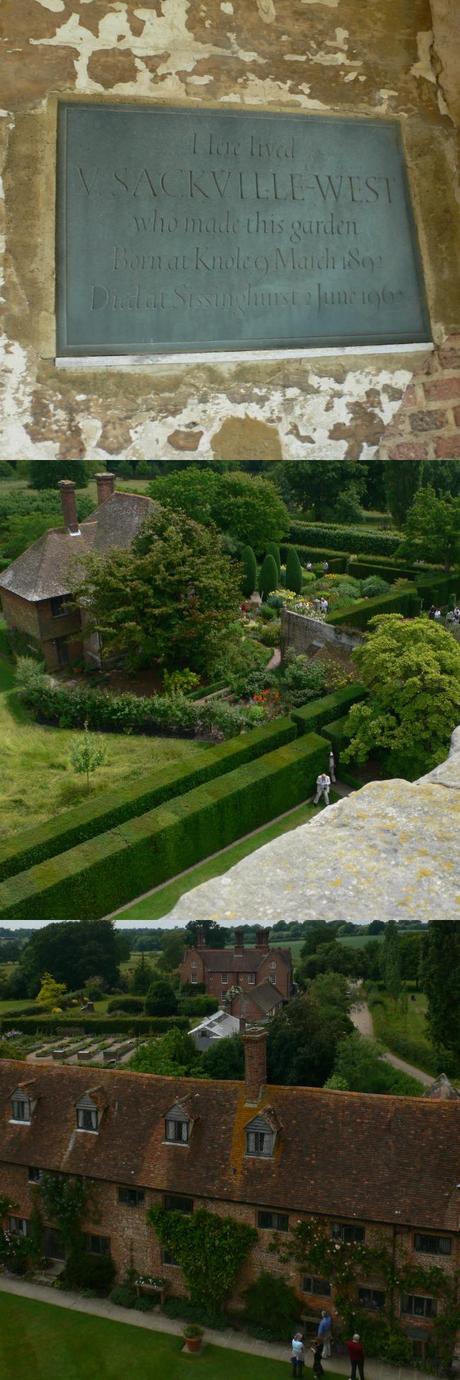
(387, 852)
(329, 56)
(302, 634)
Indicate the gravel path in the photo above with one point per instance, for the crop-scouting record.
(362, 1020)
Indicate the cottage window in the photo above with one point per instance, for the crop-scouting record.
(371, 1298)
(273, 965)
(21, 1108)
(97, 1245)
(251, 979)
(312, 1284)
(273, 1221)
(272, 978)
(418, 1306)
(167, 1258)
(433, 1245)
(174, 1203)
(18, 1226)
(193, 975)
(347, 1234)
(224, 979)
(59, 606)
(259, 1142)
(87, 1119)
(177, 1125)
(34, 1175)
(131, 1197)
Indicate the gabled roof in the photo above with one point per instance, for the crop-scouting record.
(247, 961)
(265, 996)
(442, 1089)
(344, 1155)
(43, 571)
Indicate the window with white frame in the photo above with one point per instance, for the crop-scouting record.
(273, 1221)
(418, 1306)
(251, 979)
(432, 1245)
(341, 1231)
(312, 1284)
(87, 1119)
(371, 1298)
(260, 1138)
(177, 1125)
(21, 1107)
(19, 1226)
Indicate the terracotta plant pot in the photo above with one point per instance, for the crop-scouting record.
(193, 1343)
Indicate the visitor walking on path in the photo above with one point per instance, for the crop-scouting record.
(323, 786)
(297, 1354)
(356, 1354)
(331, 767)
(324, 1333)
(317, 1350)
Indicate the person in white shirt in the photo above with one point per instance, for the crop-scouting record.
(297, 1354)
(323, 786)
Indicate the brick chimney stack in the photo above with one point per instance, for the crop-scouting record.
(69, 506)
(255, 1062)
(263, 940)
(239, 940)
(200, 942)
(105, 484)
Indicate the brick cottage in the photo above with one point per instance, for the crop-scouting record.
(253, 983)
(378, 1169)
(35, 589)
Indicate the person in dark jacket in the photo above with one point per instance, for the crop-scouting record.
(317, 1350)
(356, 1354)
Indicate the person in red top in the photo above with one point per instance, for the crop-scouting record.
(356, 1354)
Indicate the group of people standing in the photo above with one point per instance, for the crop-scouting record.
(321, 1348)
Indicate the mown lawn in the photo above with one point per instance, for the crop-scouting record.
(395, 1026)
(39, 1341)
(38, 780)
(160, 902)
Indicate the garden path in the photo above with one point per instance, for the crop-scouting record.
(362, 1021)
(158, 1322)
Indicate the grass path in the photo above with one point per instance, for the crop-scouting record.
(158, 902)
(38, 780)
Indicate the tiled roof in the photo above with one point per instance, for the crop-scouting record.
(345, 1155)
(265, 996)
(42, 571)
(247, 961)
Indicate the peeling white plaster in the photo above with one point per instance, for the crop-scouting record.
(291, 411)
(227, 7)
(325, 4)
(15, 412)
(423, 68)
(54, 5)
(266, 11)
(166, 33)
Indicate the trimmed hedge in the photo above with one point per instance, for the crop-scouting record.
(345, 538)
(107, 872)
(320, 712)
(437, 588)
(337, 733)
(205, 690)
(337, 560)
(198, 1006)
(358, 615)
(94, 1025)
(113, 807)
(387, 569)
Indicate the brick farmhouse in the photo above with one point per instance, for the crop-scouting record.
(252, 983)
(36, 588)
(378, 1169)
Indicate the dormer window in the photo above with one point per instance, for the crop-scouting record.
(177, 1125)
(21, 1107)
(88, 1115)
(260, 1137)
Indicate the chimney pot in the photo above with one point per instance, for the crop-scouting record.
(105, 484)
(69, 505)
(263, 939)
(255, 1062)
(239, 940)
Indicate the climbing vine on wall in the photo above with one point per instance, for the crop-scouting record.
(209, 1249)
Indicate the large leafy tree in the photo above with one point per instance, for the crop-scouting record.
(318, 488)
(303, 1039)
(391, 960)
(402, 481)
(214, 935)
(246, 507)
(432, 529)
(72, 954)
(440, 979)
(45, 474)
(170, 598)
(411, 668)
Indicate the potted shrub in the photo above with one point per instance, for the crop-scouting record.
(193, 1336)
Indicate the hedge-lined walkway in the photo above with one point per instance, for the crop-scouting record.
(229, 1341)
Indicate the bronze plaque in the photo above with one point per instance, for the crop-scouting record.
(184, 230)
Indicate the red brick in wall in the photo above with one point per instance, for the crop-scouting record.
(427, 425)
